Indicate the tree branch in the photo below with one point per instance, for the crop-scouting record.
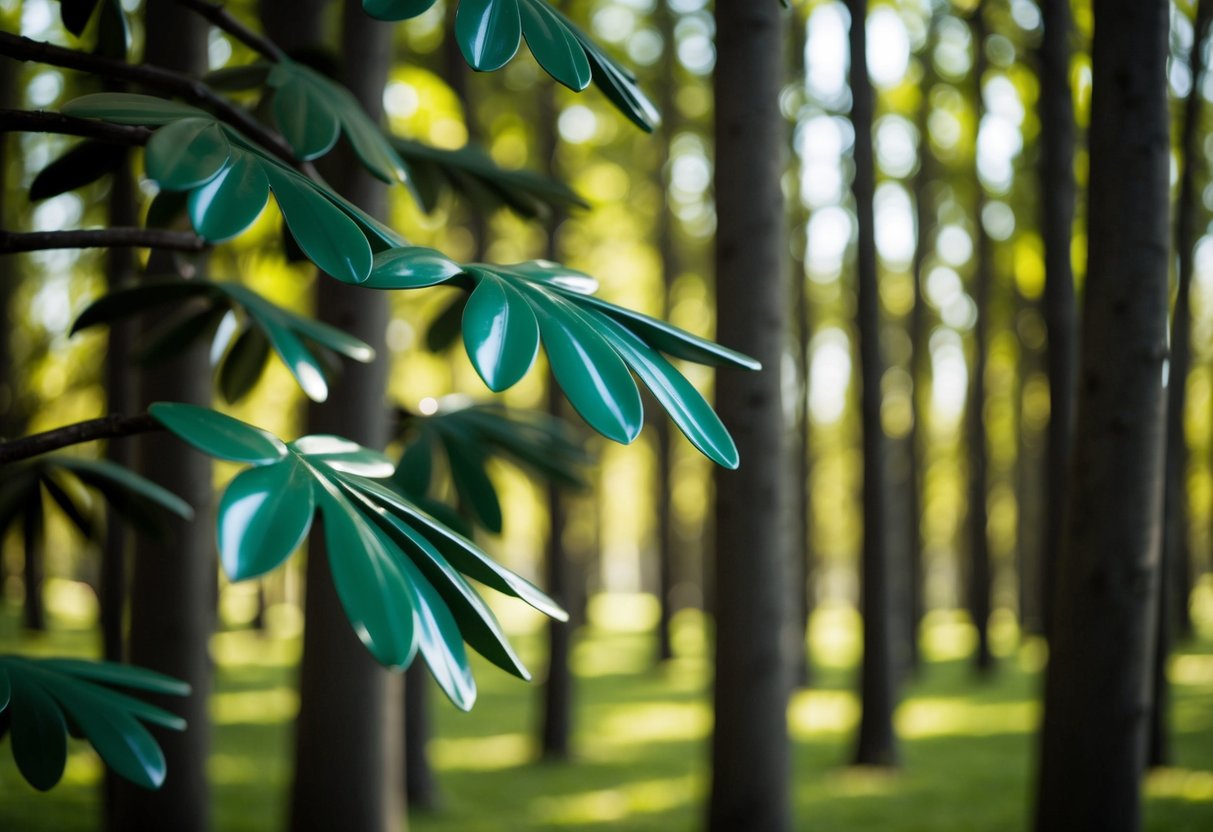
(107, 427)
(39, 121)
(174, 83)
(12, 242)
(218, 16)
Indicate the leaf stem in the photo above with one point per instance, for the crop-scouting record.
(219, 16)
(12, 242)
(107, 427)
(40, 121)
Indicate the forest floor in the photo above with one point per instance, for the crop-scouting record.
(967, 743)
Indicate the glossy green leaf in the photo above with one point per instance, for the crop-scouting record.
(306, 120)
(500, 332)
(243, 364)
(113, 33)
(326, 234)
(129, 108)
(84, 163)
(472, 483)
(396, 9)
(416, 466)
(590, 372)
(369, 577)
(264, 515)
(556, 274)
(6, 689)
(114, 480)
(440, 641)
(337, 340)
(693, 415)
(411, 267)
(123, 675)
(344, 456)
(554, 44)
(187, 153)
(39, 732)
(447, 325)
(619, 85)
(488, 32)
(218, 435)
(232, 201)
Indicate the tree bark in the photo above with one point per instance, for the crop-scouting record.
(173, 577)
(877, 744)
(1097, 692)
(1057, 198)
(344, 741)
(750, 749)
(1173, 588)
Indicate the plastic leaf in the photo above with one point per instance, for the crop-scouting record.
(619, 85)
(554, 45)
(39, 732)
(242, 364)
(328, 237)
(120, 484)
(468, 473)
(129, 108)
(345, 456)
(411, 267)
(500, 332)
(306, 120)
(232, 201)
(440, 641)
(122, 675)
(218, 435)
(264, 516)
(556, 274)
(187, 153)
(488, 31)
(396, 9)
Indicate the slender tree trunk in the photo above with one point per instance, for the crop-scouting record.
(978, 515)
(172, 577)
(750, 753)
(1097, 692)
(421, 789)
(348, 726)
(10, 418)
(1057, 197)
(1173, 592)
(1029, 475)
(877, 744)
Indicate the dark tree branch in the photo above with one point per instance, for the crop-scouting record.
(174, 83)
(12, 242)
(218, 16)
(107, 427)
(39, 121)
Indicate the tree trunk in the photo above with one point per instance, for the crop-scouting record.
(877, 744)
(1057, 196)
(172, 601)
(1173, 592)
(347, 732)
(1097, 692)
(750, 749)
(1029, 474)
(420, 783)
(11, 419)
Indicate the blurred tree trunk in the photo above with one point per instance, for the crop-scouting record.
(172, 598)
(750, 748)
(877, 745)
(978, 514)
(1057, 197)
(920, 344)
(1097, 692)
(346, 732)
(11, 420)
(1173, 588)
(1029, 469)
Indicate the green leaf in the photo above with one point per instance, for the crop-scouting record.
(472, 483)
(396, 9)
(342, 455)
(589, 371)
(306, 120)
(618, 85)
(447, 325)
(128, 108)
(554, 45)
(500, 332)
(120, 484)
(488, 31)
(83, 164)
(113, 35)
(232, 201)
(553, 274)
(6, 689)
(122, 303)
(39, 732)
(218, 435)
(682, 401)
(75, 513)
(411, 267)
(440, 641)
(243, 364)
(264, 516)
(370, 581)
(416, 466)
(123, 675)
(326, 234)
(187, 153)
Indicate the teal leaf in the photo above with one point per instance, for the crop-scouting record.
(187, 153)
(264, 515)
(342, 455)
(121, 303)
(472, 483)
(243, 363)
(500, 332)
(396, 9)
(122, 675)
(619, 85)
(120, 484)
(328, 237)
(84, 163)
(682, 401)
(232, 201)
(554, 45)
(218, 435)
(306, 120)
(488, 31)
(6, 690)
(440, 641)
(555, 274)
(129, 108)
(369, 577)
(411, 267)
(39, 732)
(416, 466)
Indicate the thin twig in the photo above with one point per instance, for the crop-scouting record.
(12, 242)
(174, 83)
(40, 121)
(217, 15)
(107, 427)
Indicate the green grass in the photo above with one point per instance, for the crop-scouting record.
(641, 738)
